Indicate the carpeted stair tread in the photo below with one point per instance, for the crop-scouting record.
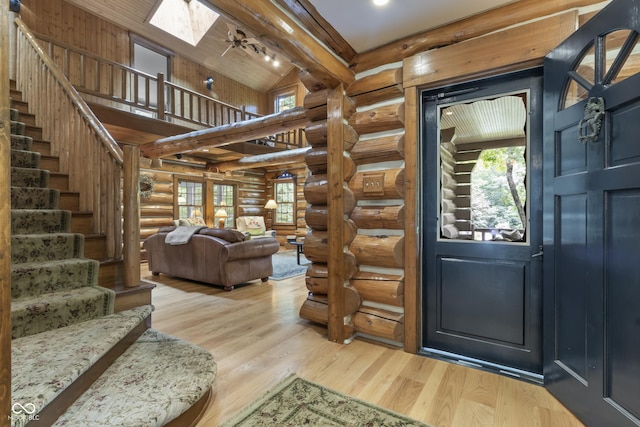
(17, 128)
(46, 247)
(44, 312)
(34, 278)
(157, 379)
(43, 365)
(21, 142)
(38, 221)
(25, 159)
(34, 198)
(14, 114)
(29, 177)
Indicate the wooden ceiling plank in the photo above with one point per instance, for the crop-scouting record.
(309, 17)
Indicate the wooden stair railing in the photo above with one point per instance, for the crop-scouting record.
(87, 152)
(121, 86)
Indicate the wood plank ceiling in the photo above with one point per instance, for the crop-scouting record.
(235, 64)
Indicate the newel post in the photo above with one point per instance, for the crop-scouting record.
(131, 213)
(160, 96)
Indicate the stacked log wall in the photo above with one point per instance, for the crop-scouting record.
(379, 210)
(317, 244)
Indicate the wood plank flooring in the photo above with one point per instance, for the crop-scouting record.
(257, 339)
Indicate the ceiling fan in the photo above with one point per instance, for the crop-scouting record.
(238, 39)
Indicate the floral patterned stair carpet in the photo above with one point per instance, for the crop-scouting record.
(64, 328)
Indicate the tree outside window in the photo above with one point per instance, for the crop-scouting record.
(224, 198)
(190, 199)
(285, 196)
(285, 102)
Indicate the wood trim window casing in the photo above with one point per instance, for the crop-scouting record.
(283, 201)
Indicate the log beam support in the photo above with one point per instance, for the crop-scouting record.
(335, 197)
(295, 118)
(131, 212)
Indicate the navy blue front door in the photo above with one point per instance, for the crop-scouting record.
(592, 219)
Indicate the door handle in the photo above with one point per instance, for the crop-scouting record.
(539, 253)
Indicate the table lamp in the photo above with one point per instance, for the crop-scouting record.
(221, 214)
(271, 206)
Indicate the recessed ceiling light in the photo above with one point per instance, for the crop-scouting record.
(380, 2)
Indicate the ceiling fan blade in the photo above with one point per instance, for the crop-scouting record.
(253, 40)
(226, 50)
(232, 30)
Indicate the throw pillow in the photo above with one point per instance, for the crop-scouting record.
(254, 226)
(197, 221)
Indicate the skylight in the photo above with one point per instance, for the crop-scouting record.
(186, 20)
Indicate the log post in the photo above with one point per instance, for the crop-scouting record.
(131, 215)
(5, 221)
(335, 197)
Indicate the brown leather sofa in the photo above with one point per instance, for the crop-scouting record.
(219, 257)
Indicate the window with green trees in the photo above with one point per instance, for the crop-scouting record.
(285, 197)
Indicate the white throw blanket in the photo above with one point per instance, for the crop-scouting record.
(182, 234)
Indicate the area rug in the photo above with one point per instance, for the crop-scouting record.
(285, 265)
(297, 402)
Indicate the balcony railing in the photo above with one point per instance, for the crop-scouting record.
(122, 87)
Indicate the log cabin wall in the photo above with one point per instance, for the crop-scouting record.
(384, 188)
(378, 187)
(75, 27)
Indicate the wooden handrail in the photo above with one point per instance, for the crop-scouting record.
(130, 87)
(88, 155)
(107, 140)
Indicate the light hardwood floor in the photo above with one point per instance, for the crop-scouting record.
(257, 339)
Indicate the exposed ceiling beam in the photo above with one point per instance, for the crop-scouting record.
(465, 29)
(279, 158)
(282, 34)
(248, 130)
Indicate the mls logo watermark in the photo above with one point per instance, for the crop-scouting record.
(28, 409)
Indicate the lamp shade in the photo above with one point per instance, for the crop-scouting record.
(221, 213)
(271, 204)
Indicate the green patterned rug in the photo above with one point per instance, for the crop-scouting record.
(297, 402)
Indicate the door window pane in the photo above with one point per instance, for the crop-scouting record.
(484, 169)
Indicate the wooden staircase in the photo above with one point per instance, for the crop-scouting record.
(111, 271)
(71, 370)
